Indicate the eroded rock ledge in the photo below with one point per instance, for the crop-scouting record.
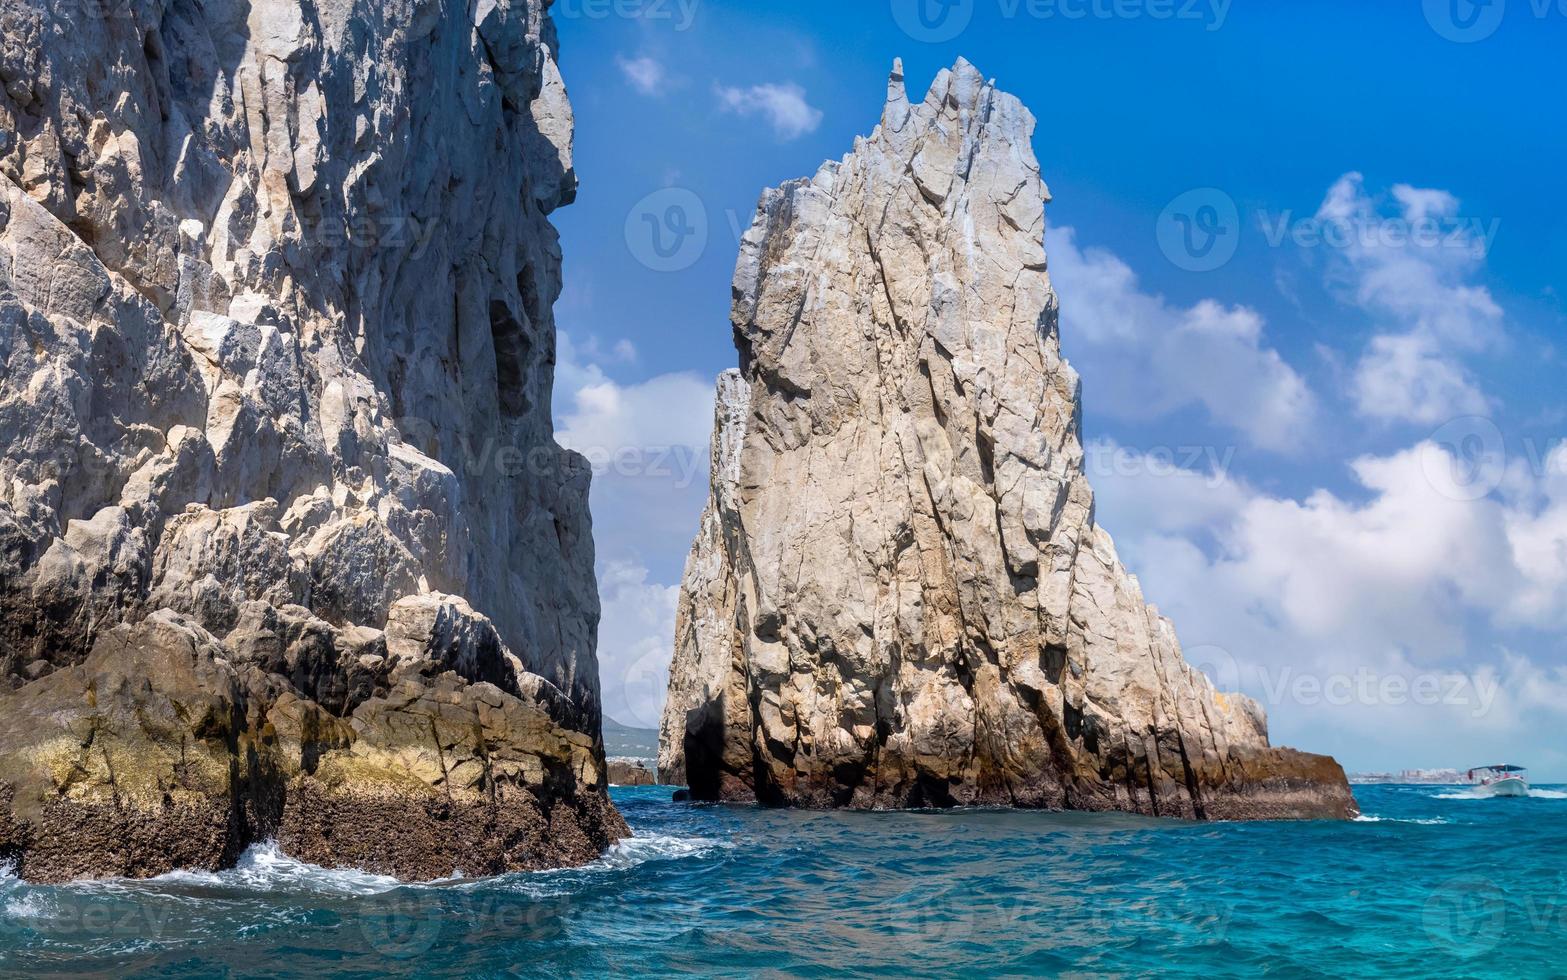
(287, 548)
(899, 596)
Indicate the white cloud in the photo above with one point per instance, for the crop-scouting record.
(648, 443)
(636, 637)
(1408, 377)
(1374, 592)
(1144, 357)
(783, 106)
(598, 416)
(1412, 272)
(645, 74)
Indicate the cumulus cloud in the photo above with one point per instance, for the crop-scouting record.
(1369, 594)
(636, 636)
(648, 444)
(783, 106)
(600, 417)
(1410, 263)
(644, 74)
(1409, 377)
(1146, 357)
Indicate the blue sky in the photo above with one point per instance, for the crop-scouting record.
(1329, 456)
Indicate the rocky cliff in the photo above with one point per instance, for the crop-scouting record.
(899, 595)
(287, 548)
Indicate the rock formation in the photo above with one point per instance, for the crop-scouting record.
(899, 596)
(287, 548)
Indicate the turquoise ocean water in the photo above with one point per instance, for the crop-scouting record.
(1430, 883)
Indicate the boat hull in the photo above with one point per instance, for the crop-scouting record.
(1504, 788)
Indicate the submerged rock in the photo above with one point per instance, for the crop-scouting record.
(287, 548)
(899, 596)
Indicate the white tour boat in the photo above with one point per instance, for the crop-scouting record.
(1490, 781)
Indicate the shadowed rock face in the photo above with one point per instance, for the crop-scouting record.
(287, 547)
(899, 595)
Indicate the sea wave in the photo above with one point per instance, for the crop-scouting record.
(1537, 794)
(634, 851)
(265, 868)
(1429, 822)
(16, 900)
(27, 905)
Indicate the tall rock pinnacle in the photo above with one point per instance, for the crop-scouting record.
(899, 595)
(287, 548)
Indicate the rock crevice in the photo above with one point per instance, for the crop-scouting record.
(899, 595)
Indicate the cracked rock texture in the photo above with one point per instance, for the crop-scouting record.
(287, 548)
(899, 596)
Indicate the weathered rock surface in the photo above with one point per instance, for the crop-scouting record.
(899, 595)
(631, 772)
(287, 547)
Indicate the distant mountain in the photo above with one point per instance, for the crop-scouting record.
(623, 741)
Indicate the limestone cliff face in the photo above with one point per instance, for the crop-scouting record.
(286, 544)
(899, 595)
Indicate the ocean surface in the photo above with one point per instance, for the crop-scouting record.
(1429, 883)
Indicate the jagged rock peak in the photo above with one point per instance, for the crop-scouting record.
(899, 594)
(276, 354)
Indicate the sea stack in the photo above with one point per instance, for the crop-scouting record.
(287, 548)
(899, 595)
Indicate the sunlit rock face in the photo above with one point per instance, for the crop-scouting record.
(287, 547)
(899, 595)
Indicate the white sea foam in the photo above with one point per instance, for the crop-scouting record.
(1538, 794)
(634, 851)
(17, 901)
(1429, 822)
(27, 905)
(263, 868)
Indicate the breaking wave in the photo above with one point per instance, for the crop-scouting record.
(1537, 794)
